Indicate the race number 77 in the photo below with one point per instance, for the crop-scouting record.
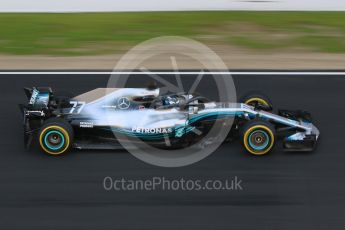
(75, 104)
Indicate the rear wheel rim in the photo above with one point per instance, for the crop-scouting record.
(54, 140)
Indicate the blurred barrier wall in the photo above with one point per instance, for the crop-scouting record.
(167, 5)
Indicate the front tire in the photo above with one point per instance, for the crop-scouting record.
(55, 136)
(258, 137)
(257, 99)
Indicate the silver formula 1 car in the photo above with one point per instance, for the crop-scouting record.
(103, 117)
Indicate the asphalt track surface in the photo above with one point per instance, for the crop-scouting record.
(280, 191)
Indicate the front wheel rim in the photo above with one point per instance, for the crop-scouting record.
(258, 140)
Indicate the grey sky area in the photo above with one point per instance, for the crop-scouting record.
(170, 5)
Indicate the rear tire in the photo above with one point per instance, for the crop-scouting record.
(55, 136)
(258, 136)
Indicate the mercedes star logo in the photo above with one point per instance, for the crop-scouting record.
(123, 103)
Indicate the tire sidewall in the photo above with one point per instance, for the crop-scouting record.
(254, 125)
(256, 95)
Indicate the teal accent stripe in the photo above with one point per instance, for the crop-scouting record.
(187, 128)
(223, 114)
(151, 136)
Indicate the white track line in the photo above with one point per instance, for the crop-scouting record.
(173, 73)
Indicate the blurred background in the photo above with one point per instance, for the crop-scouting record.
(88, 34)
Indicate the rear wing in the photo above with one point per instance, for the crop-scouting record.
(34, 110)
(38, 97)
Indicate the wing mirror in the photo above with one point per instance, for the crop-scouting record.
(195, 109)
